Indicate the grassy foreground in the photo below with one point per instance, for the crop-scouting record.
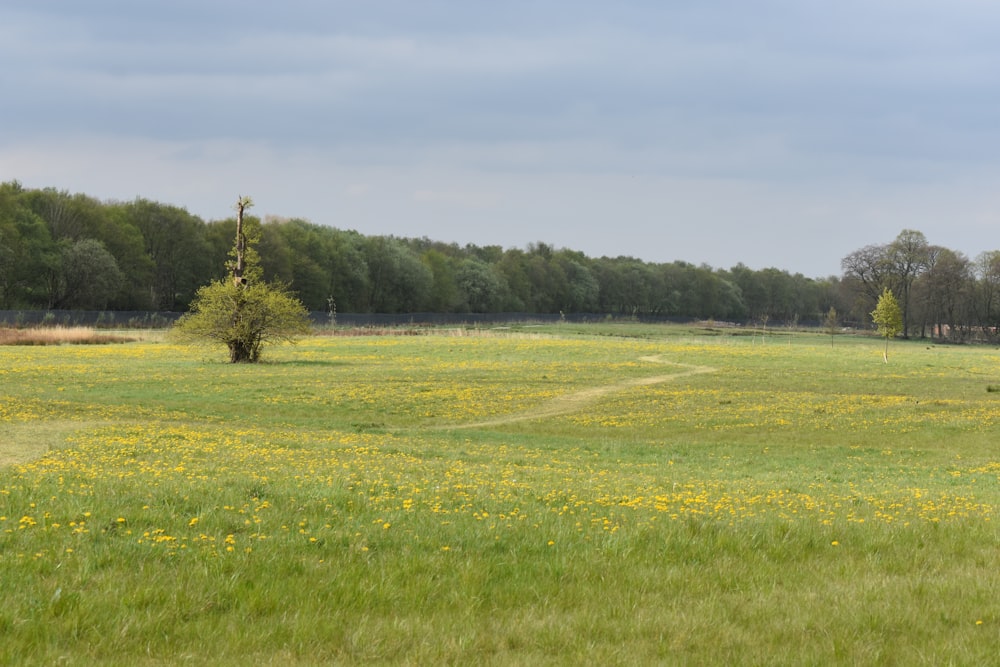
(600, 495)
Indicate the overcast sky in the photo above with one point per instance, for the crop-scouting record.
(781, 133)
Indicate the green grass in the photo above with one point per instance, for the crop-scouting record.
(603, 494)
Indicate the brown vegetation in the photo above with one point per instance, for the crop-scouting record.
(58, 336)
(371, 331)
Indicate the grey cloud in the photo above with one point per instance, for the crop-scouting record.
(802, 96)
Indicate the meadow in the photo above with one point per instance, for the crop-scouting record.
(566, 494)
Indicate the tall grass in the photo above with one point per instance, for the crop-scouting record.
(797, 505)
(59, 336)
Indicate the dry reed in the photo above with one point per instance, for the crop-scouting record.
(58, 336)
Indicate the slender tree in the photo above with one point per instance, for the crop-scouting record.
(888, 317)
(832, 322)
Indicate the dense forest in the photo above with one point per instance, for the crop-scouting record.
(70, 251)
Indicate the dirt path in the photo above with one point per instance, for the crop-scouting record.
(576, 401)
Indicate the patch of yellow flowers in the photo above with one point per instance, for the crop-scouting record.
(165, 483)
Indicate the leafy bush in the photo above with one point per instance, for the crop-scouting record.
(243, 318)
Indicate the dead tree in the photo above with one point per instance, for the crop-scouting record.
(242, 204)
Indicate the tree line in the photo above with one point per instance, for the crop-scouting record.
(942, 293)
(71, 251)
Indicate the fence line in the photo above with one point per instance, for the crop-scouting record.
(109, 319)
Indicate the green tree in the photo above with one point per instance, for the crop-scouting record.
(752, 290)
(832, 322)
(946, 289)
(895, 265)
(307, 248)
(123, 239)
(445, 295)
(987, 293)
(888, 318)
(30, 261)
(349, 274)
(399, 281)
(908, 255)
(178, 257)
(480, 285)
(546, 278)
(511, 267)
(581, 290)
(90, 276)
(243, 312)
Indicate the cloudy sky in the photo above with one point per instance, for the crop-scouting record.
(781, 133)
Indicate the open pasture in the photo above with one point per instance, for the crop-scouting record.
(607, 494)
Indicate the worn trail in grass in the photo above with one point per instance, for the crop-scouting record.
(577, 400)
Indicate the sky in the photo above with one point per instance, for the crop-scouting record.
(773, 133)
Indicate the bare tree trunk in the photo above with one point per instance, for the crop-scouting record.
(241, 242)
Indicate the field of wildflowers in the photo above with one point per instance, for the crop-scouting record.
(641, 496)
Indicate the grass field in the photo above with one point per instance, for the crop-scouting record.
(602, 494)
